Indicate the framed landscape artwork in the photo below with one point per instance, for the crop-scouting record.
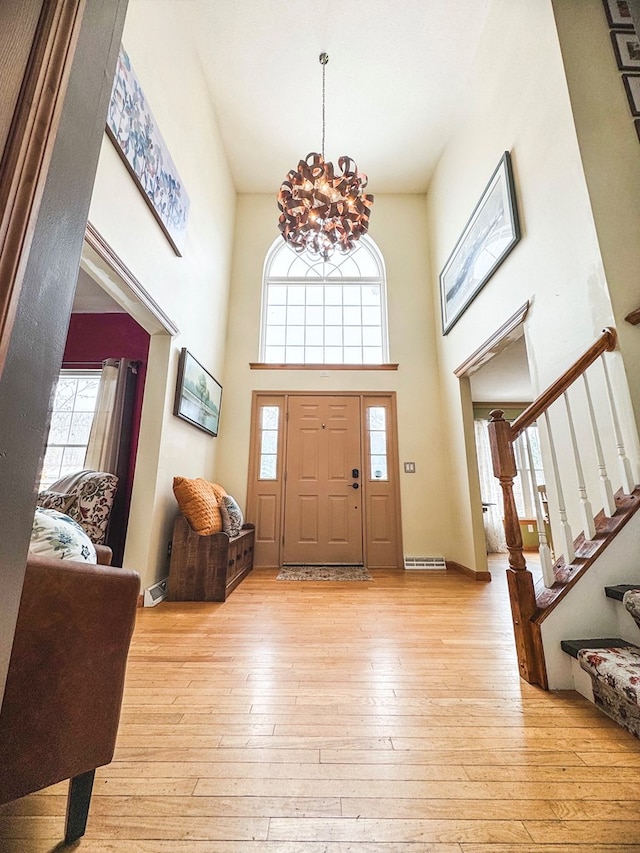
(198, 394)
(134, 132)
(490, 234)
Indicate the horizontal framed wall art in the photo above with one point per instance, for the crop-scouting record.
(198, 394)
(135, 134)
(490, 234)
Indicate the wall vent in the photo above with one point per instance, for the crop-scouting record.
(155, 594)
(425, 563)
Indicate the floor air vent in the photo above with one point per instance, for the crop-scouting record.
(155, 594)
(425, 563)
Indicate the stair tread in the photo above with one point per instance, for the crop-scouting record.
(572, 647)
(619, 590)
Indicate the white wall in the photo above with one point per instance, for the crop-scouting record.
(610, 152)
(519, 103)
(193, 289)
(399, 227)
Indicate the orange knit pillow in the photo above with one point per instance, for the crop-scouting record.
(198, 501)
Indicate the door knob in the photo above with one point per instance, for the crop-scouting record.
(355, 485)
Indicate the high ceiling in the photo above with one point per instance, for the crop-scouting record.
(396, 81)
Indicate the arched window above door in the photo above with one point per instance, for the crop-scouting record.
(324, 312)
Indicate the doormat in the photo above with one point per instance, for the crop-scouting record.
(324, 573)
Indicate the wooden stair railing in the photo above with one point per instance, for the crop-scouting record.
(633, 317)
(502, 435)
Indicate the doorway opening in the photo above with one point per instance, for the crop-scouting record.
(111, 335)
(497, 376)
(503, 382)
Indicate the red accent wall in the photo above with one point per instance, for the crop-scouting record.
(94, 337)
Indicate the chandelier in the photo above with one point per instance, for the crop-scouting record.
(322, 208)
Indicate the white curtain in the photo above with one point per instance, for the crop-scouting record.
(490, 490)
(104, 439)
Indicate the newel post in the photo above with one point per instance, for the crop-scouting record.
(504, 468)
(521, 589)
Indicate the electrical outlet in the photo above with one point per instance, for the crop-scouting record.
(169, 547)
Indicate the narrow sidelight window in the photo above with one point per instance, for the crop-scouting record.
(377, 429)
(269, 425)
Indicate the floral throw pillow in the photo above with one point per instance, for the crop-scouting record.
(54, 534)
(92, 506)
(232, 518)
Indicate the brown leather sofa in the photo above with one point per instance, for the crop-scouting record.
(61, 707)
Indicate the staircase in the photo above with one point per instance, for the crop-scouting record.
(585, 464)
(611, 665)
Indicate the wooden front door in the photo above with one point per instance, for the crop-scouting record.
(323, 492)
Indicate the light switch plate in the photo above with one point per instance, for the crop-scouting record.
(409, 467)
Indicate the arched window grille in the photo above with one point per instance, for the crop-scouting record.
(324, 312)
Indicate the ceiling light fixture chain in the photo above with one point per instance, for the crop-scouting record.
(324, 58)
(319, 209)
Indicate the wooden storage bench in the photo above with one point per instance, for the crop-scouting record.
(207, 568)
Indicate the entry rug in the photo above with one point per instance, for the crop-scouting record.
(324, 573)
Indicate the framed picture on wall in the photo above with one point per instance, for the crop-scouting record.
(627, 50)
(618, 14)
(198, 394)
(134, 132)
(490, 234)
(632, 88)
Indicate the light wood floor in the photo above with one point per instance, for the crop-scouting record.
(383, 717)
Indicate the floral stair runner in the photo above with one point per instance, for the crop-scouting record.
(615, 674)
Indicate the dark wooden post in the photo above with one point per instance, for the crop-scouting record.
(520, 580)
(504, 468)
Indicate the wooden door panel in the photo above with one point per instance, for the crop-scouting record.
(380, 519)
(266, 518)
(339, 456)
(309, 456)
(338, 529)
(308, 520)
(323, 441)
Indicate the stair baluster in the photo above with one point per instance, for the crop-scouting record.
(586, 511)
(606, 490)
(626, 474)
(566, 536)
(546, 563)
(526, 474)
